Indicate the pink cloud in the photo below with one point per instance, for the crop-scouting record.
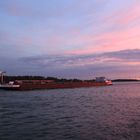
(125, 16)
(111, 41)
(126, 38)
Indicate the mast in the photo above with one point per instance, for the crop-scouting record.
(2, 76)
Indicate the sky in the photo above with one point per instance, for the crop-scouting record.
(70, 38)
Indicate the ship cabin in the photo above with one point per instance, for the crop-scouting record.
(100, 79)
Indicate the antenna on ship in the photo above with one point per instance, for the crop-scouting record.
(2, 76)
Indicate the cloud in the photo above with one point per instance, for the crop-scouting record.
(72, 27)
(124, 63)
(125, 16)
(110, 41)
(64, 36)
(51, 9)
(67, 61)
(109, 64)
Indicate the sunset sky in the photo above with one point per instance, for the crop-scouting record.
(70, 38)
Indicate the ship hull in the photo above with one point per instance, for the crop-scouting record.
(54, 85)
(10, 87)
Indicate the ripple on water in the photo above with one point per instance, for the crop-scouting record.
(104, 113)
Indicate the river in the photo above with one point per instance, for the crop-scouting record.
(96, 113)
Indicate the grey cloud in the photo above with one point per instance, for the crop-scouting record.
(71, 65)
(84, 60)
(129, 55)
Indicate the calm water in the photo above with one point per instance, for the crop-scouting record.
(104, 113)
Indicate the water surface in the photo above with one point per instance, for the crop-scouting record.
(97, 113)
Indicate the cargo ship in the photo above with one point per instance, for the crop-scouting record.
(50, 84)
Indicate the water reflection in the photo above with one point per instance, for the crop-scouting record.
(105, 113)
